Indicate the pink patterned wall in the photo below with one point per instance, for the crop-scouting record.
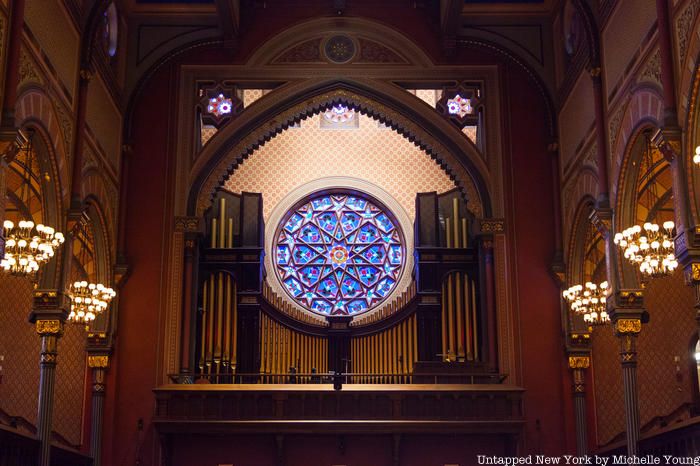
(371, 152)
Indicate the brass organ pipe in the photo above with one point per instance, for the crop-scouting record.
(414, 337)
(210, 336)
(203, 331)
(450, 318)
(263, 343)
(464, 233)
(222, 222)
(448, 232)
(460, 312)
(476, 335)
(404, 346)
(468, 324)
(229, 238)
(234, 340)
(227, 320)
(455, 223)
(213, 233)
(444, 322)
(219, 313)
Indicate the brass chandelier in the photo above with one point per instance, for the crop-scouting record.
(88, 300)
(589, 301)
(649, 246)
(28, 246)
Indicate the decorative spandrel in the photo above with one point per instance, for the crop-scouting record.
(339, 254)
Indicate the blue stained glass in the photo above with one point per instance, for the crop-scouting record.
(368, 233)
(310, 234)
(283, 255)
(294, 223)
(374, 254)
(328, 288)
(303, 254)
(350, 288)
(321, 306)
(384, 223)
(310, 275)
(339, 254)
(357, 306)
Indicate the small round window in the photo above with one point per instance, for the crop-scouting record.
(339, 254)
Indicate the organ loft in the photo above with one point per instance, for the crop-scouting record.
(349, 232)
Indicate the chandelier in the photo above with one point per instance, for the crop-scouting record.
(650, 246)
(28, 246)
(88, 300)
(696, 157)
(589, 301)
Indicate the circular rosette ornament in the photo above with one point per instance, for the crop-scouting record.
(339, 254)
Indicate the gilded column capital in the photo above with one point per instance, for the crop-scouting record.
(628, 326)
(98, 361)
(492, 225)
(49, 327)
(579, 362)
(668, 141)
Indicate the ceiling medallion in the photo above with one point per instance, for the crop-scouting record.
(339, 49)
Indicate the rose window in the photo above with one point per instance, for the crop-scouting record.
(339, 254)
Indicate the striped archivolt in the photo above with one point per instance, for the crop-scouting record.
(282, 348)
(386, 356)
(218, 334)
(460, 336)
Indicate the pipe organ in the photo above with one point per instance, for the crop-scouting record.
(387, 356)
(218, 336)
(459, 316)
(286, 351)
(435, 330)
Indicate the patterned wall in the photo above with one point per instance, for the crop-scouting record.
(20, 346)
(664, 384)
(372, 152)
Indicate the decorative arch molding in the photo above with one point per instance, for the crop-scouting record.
(382, 39)
(645, 106)
(102, 233)
(390, 104)
(692, 139)
(626, 196)
(576, 250)
(35, 105)
(581, 186)
(95, 190)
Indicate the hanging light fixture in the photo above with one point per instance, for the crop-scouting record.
(589, 301)
(88, 300)
(28, 246)
(696, 157)
(649, 246)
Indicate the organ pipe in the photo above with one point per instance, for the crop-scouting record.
(386, 356)
(283, 348)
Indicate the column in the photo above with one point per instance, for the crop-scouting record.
(603, 200)
(627, 329)
(78, 142)
(49, 331)
(578, 363)
(191, 230)
(49, 312)
(98, 363)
